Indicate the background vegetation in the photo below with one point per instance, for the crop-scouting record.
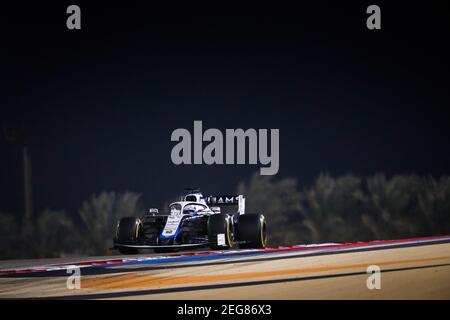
(350, 208)
(346, 208)
(58, 234)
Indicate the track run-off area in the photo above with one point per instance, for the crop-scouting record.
(416, 268)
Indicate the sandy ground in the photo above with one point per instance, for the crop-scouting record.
(421, 272)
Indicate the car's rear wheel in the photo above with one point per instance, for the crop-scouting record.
(128, 232)
(252, 231)
(220, 231)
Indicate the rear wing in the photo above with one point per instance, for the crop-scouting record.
(227, 200)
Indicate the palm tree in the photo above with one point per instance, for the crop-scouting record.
(100, 216)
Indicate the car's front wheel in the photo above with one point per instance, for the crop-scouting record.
(128, 232)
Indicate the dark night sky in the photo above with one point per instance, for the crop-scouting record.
(98, 105)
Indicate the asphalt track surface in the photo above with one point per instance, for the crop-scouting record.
(410, 269)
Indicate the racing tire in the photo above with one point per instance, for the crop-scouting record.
(220, 223)
(252, 230)
(128, 233)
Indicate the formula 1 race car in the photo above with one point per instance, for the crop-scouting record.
(192, 222)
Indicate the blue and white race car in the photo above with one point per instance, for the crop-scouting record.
(194, 221)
